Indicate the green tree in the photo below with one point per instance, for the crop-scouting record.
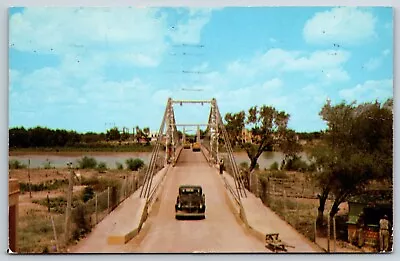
(113, 134)
(358, 149)
(268, 128)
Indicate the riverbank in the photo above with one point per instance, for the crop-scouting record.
(73, 151)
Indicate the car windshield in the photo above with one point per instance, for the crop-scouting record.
(190, 191)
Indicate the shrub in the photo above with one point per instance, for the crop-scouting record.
(296, 164)
(87, 163)
(47, 165)
(16, 164)
(274, 166)
(57, 204)
(244, 165)
(102, 167)
(48, 185)
(279, 174)
(81, 221)
(89, 181)
(119, 165)
(134, 164)
(87, 194)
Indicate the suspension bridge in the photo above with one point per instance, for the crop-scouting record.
(236, 220)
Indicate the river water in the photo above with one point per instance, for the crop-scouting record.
(60, 161)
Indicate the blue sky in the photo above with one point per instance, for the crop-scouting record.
(88, 69)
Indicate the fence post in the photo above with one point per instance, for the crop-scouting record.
(315, 230)
(55, 233)
(95, 208)
(69, 203)
(29, 178)
(329, 233)
(334, 233)
(284, 203)
(108, 199)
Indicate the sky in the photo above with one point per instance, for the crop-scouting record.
(90, 69)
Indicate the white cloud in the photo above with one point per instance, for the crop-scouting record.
(369, 91)
(386, 52)
(13, 77)
(315, 93)
(341, 25)
(327, 64)
(114, 34)
(373, 63)
(272, 40)
(189, 32)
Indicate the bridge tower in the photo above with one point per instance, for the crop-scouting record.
(170, 142)
(213, 128)
(198, 134)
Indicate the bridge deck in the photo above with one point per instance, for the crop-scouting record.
(219, 232)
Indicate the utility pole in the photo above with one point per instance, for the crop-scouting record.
(69, 203)
(29, 178)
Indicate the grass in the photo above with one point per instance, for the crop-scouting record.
(43, 186)
(35, 233)
(16, 164)
(57, 204)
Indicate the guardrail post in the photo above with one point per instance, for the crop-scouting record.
(329, 234)
(95, 208)
(108, 199)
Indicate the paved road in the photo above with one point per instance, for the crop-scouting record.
(219, 232)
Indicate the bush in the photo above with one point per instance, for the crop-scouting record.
(119, 166)
(87, 163)
(296, 164)
(47, 165)
(81, 221)
(134, 164)
(16, 164)
(57, 204)
(279, 174)
(274, 166)
(102, 167)
(87, 194)
(48, 185)
(244, 165)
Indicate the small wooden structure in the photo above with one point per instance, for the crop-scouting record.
(273, 242)
(13, 201)
(374, 204)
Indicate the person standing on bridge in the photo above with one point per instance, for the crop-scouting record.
(221, 166)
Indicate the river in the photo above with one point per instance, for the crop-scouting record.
(60, 161)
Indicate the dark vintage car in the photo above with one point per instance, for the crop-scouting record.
(191, 202)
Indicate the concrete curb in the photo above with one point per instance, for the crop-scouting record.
(177, 157)
(143, 208)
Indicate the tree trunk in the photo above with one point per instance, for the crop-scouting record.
(253, 163)
(321, 208)
(334, 209)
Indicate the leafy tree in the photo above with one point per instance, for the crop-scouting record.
(289, 145)
(268, 128)
(358, 149)
(113, 134)
(234, 126)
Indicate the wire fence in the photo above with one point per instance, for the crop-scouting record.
(42, 229)
(296, 202)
